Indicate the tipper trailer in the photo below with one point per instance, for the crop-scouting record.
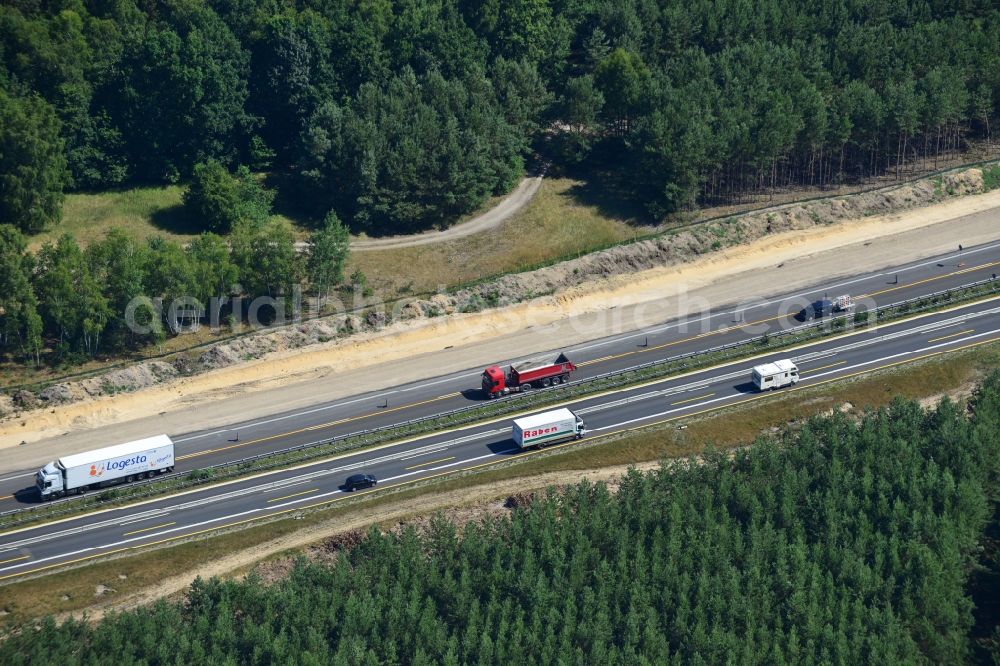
(540, 430)
(122, 463)
(537, 373)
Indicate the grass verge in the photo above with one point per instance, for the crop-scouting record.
(141, 212)
(555, 224)
(75, 590)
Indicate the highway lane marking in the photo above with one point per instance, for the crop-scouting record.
(148, 529)
(903, 269)
(17, 476)
(304, 492)
(280, 485)
(931, 279)
(431, 462)
(718, 331)
(286, 486)
(3, 497)
(584, 363)
(700, 397)
(318, 427)
(158, 514)
(953, 335)
(822, 367)
(313, 464)
(424, 453)
(285, 417)
(15, 559)
(727, 329)
(472, 467)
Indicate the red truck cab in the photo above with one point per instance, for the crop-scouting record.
(526, 375)
(494, 381)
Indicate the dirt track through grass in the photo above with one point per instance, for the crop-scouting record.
(554, 224)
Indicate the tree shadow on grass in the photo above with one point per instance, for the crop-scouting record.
(291, 201)
(611, 202)
(176, 220)
(601, 187)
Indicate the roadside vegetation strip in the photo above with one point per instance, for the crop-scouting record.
(173, 348)
(72, 589)
(636, 375)
(990, 167)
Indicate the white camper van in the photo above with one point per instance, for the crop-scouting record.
(775, 375)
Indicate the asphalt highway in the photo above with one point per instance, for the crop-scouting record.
(285, 492)
(702, 330)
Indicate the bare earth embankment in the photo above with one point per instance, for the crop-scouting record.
(624, 288)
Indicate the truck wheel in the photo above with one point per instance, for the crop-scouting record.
(526, 387)
(129, 479)
(546, 382)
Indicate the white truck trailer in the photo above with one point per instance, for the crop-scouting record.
(122, 463)
(775, 375)
(546, 428)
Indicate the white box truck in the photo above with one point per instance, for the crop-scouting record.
(775, 375)
(143, 458)
(546, 428)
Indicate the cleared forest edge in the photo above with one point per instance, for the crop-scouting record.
(647, 274)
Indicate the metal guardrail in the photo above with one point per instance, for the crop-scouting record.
(508, 404)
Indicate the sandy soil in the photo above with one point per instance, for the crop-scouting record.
(408, 351)
(460, 506)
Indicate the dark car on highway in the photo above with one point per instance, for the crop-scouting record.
(816, 310)
(356, 481)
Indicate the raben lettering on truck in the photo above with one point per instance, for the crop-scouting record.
(542, 431)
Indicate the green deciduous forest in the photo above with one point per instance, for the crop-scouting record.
(402, 114)
(393, 116)
(838, 542)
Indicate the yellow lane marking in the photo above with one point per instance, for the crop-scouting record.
(319, 427)
(727, 329)
(431, 462)
(490, 463)
(822, 367)
(706, 334)
(930, 279)
(417, 438)
(304, 492)
(14, 559)
(148, 529)
(700, 397)
(683, 340)
(953, 335)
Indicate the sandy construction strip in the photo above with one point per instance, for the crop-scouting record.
(413, 350)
